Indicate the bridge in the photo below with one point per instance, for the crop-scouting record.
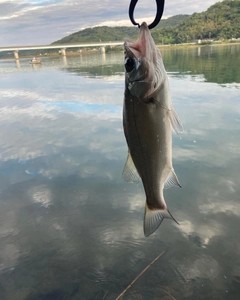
(62, 47)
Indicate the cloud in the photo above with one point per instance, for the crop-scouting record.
(42, 22)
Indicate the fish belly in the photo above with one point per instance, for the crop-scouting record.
(148, 133)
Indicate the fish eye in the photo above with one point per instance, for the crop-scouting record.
(129, 64)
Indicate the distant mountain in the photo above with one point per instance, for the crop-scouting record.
(99, 34)
(220, 21)
(106, 34)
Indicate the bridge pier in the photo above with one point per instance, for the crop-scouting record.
(16, 55)
(63, 51)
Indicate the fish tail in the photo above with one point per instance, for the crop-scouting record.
(153, 219)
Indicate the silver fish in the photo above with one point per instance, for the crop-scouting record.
(148, 119)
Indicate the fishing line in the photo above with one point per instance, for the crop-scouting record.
(160, 8)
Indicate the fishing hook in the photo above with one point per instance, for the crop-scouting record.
(160, 8)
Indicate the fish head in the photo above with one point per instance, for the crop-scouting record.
(141, 62)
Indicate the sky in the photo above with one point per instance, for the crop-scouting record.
(41, 22)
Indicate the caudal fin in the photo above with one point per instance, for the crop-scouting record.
(154, 218)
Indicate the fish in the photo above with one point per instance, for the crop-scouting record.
(148, 120)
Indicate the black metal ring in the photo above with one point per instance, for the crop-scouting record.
(160, 8)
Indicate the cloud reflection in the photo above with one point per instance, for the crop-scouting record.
(205, 232)
(228, 208)
(8, 256)
(66, 207)
(42, 196)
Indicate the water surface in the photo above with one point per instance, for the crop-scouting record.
(71, 228)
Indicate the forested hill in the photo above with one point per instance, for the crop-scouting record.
(220, 21)
(172, 21)
(99, 34)
(105, 33)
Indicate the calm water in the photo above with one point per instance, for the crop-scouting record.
(71, 228)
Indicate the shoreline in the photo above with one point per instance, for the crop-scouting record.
(70, 53)
(190, 45)
(89, 52)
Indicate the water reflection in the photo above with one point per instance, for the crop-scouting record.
(64, 59)
(216, 63)
(18, 65)
(71, 228)
(211, 63)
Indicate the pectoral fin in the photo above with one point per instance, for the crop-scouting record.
(172, 180)
(130, 173)
(175, 121)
